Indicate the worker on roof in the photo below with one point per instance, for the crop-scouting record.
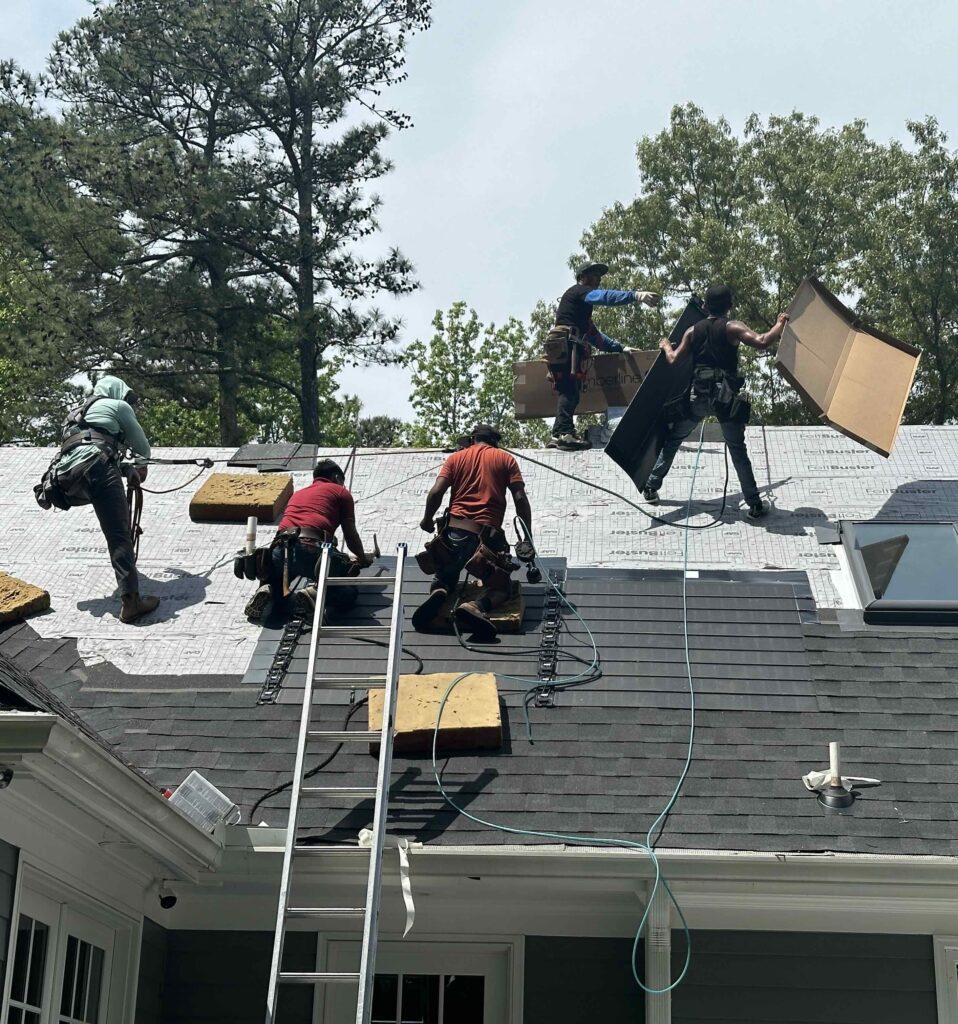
(569, 345)
(470, 534)
(713, 345)
(311, 519)
(88, 471)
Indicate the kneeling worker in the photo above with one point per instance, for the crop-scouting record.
(88, 469)
(311, 519)
(470, 534)
(713, 346)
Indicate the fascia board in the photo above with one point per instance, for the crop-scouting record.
(71, 765)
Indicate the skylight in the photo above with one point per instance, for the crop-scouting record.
(906, 573)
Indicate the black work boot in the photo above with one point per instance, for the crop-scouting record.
(757, 509)
(651, 494)
(133, 607)
(470, 618)
(424, 616)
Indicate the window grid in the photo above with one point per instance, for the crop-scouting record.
(397, 991)
(82, 981)
(29, 970)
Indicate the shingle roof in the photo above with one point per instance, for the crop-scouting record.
(773, 684)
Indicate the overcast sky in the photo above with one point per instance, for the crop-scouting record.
(526, 114)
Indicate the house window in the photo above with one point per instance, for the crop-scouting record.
(64, 957)
(428, 999)
(447, 982)
(905, 573)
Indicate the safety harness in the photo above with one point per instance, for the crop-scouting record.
(67, 487)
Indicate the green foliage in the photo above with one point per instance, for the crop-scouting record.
(465, 375)
(380, 432)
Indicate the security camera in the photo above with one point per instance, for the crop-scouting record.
(167, 897)
(6, 776)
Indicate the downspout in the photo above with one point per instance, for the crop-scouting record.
(658, 959)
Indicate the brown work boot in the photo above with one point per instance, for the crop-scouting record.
(133, 607)
(257, 605)
(424, 616)
(470, 618)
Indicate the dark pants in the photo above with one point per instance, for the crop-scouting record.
(108, 497)
(734, 434)
(304, 562)
(568, 390)
(462, 546)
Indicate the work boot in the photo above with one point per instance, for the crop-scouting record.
(757, 509)
(424, 616)
(470, 618)
(304, 602)
(133, 607)
(570, 443)
(256, 606)
(651, 495)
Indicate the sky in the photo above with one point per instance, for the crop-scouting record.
(526, 114)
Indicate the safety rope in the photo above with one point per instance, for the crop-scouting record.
(134, 498)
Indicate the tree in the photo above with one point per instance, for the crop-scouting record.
(500, 349)
(907, 267)
(444, 377)
(380, 432)
(759, 213)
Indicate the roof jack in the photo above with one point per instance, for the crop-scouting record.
(281, 660)
(549, 642)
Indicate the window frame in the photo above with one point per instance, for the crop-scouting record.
(431, 957)
(946, 977)
(881, 611)
(89, 920)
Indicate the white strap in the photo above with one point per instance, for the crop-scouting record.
(402, 845)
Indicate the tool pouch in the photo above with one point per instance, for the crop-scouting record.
(556, 348)
(436, 556)
(491, 563)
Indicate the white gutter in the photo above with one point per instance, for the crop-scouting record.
(55, 753)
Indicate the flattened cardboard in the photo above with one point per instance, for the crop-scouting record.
(856, 378)
(638, 438)
(613, 379)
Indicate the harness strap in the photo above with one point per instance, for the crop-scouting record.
(134, 497)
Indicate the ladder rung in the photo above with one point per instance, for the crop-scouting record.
(346, 792)
(317, 977)
(328, 849)
(348, 682)
(354, 631)
(346, 735)
(358, 581)
(303, 912)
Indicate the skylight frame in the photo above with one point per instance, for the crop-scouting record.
(879, 610)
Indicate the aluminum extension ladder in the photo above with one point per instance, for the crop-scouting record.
(390, 681)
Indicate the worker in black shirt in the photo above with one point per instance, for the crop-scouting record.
(569, 345)
(713, 346)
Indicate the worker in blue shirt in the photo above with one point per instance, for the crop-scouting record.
(570, 343)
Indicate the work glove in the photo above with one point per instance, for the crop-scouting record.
(428, 526)
(366, 561)
(141, 473)
(648, 298)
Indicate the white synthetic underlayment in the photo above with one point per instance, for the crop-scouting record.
(815, 475)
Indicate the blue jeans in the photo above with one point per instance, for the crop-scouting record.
(734, 434)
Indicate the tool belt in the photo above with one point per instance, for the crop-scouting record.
(491, 563)
(716, 392)
(567, 354)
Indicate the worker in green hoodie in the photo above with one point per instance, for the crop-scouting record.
(88, 471)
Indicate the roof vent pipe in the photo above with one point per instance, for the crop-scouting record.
(835, 795)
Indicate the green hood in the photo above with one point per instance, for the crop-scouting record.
(111, 387)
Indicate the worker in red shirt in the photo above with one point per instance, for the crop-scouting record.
(470, 533)
(312, 517)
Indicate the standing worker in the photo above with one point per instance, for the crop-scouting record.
(87, 470)
(713, 345)
(470, 534)
(570, 342)
(311, 519)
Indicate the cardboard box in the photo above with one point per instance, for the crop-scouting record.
(856, 378)
(233, 497)
(614, 378)
(471, 718)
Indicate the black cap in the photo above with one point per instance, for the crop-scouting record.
(486, 430)
(591, 268)
(718, 298)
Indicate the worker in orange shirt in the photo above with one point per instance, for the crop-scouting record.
(470, 534)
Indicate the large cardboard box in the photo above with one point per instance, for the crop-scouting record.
(857, 379)
(613, 379)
